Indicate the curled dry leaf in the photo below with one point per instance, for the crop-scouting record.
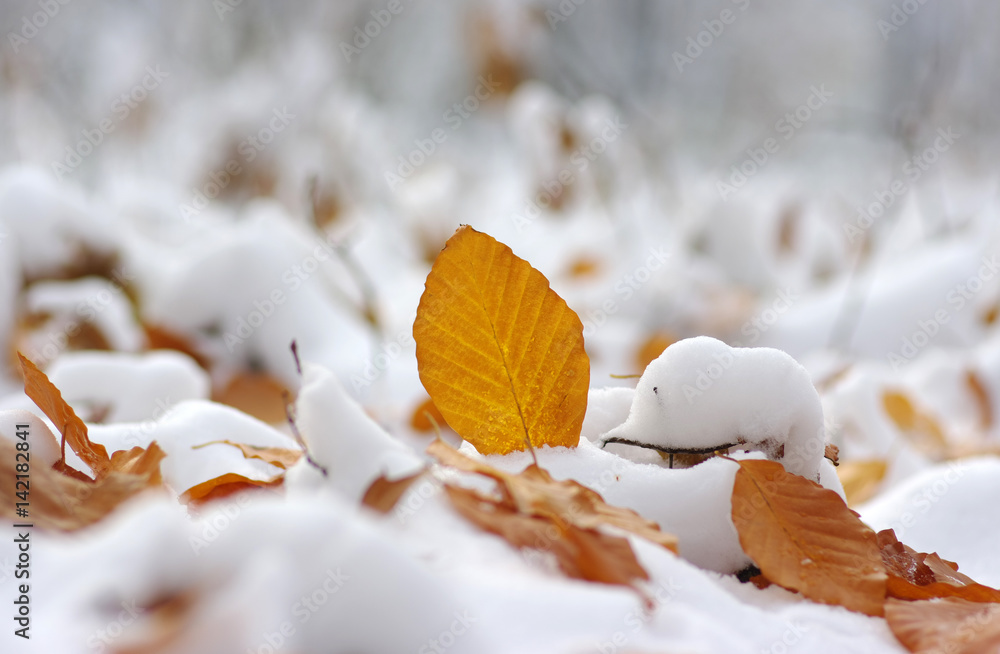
(952, 625)
(60, 501)
(276, 456)
(499, 352)
(562, 517)
(803, 537)
(915, 576)
(64, 498)
(224, 486)
(74, 432)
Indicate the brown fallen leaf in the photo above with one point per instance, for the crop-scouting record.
(276, 456)
(916, 576)
(383, 494)
(257, 394)
(563, 517)
(48, 398)
(803, 537)
(224, 486)
(499, 352)
(162, 338)
(951, 625)
(60, 501)
(861, 479)
(65, 498)
(587, 554)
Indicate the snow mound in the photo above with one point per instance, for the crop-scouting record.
(702, 395)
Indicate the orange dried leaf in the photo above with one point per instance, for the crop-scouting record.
(68, 502)
(224, 486)
(945, 625)
(585, 554)
(499, 352)
(914, 575)
(420, 420)
(861, 479)
(803, 537)
(564, 517)
(276, 456)
(383, 494)
(48, 398)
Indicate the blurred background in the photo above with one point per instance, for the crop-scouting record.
(819, 177)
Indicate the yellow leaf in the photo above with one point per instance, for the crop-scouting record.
(861, 479)
(499, 352)
(803, 537)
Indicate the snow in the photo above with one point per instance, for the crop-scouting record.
(122, 385)
(341, 438)
(831, 320)
(704, 395)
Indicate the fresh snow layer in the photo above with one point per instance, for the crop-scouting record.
(702, 394)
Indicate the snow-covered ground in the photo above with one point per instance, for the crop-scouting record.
(228, 177)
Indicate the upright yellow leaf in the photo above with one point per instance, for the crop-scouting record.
(499, 352)
(803, 537)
